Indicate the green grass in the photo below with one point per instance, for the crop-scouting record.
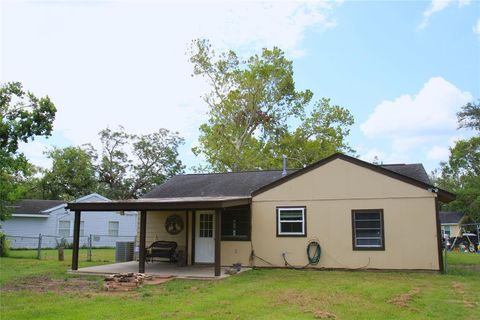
(257, 294)
(22, 263)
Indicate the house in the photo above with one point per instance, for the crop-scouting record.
(53, 221)
(451, 223)
(360, 213)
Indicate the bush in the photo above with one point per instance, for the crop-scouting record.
(4, 245)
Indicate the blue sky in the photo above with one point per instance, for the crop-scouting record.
(403, 68)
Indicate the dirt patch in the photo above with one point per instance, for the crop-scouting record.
(404, 299)
(308, 302)
(45, 283)
(459, 289)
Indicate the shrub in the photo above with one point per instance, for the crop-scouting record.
(4, 245)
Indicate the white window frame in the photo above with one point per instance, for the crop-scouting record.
(82, 228)
(64, 228)
(279, 221)
(110, 229)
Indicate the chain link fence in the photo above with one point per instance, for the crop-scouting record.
(48, 242)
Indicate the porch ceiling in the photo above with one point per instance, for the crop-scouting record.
(183, 203)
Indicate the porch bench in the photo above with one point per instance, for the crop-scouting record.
(161, 249)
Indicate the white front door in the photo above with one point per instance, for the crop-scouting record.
(204, 237)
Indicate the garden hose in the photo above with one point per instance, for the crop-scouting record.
(315, 259)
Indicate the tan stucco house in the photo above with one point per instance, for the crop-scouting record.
(451, 223)
(360, 213)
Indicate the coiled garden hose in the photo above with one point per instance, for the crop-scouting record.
(315, 259)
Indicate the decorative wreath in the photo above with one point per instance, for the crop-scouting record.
(174, 224)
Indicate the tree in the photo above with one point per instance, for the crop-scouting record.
(469, 116)
(72, 174)
(152, 158)
(251, 104)
(320, 135)
(249, 98)
(22, 117)
(461, 174)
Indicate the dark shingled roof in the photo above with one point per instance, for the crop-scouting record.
(450, 217)
(34, 206)
(415, 171)
(215, 184)
(244, 183)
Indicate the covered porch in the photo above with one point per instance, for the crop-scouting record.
(187, 208)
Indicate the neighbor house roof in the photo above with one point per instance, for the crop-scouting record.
(450, 217)
(33, 206)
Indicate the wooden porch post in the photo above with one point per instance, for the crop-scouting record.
(218, 223)
(143, 231)
(76, 240)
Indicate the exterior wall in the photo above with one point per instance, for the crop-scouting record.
(234, 252)
(156, 229)
(329, 193)
(23, 231)
(454, 229)
(95, 224)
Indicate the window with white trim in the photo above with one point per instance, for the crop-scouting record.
(64, 228)
(82, 231)
(446, 231)
(367, 230)
(113, 228)
(291, 221)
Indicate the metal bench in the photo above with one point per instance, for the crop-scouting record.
(161, 249)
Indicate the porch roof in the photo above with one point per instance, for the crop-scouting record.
(180, 203)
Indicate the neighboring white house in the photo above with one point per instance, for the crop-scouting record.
(50, 219)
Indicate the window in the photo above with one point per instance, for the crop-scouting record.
(64, 229)
(367, 230)
(291, 222)
(446, 231)
(113, 228)
(206, 225)
(82, 232)
(236, 223)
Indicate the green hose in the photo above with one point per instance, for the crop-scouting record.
(317, 253)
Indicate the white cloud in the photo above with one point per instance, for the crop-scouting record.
(437, 6)
(424, 123)
(438, 153)
(124, 63)
(412, 118)
(476, 27)
(34, 151)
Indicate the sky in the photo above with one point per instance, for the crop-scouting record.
(402, 68)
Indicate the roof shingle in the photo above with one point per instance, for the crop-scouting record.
(242, 184)
(34, 206)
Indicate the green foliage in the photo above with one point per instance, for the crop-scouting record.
(255, 294)
(4, 245)
(469, 116)
(461, 174)
(22, 117)
(131, 165)
(72, 174)
(251, 103)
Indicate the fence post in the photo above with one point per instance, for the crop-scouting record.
(89, 252)
(39, 249)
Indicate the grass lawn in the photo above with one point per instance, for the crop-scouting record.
(257, 294)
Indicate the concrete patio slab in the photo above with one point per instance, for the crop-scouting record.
(157, 269)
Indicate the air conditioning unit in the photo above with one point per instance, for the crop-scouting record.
(124, 251)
